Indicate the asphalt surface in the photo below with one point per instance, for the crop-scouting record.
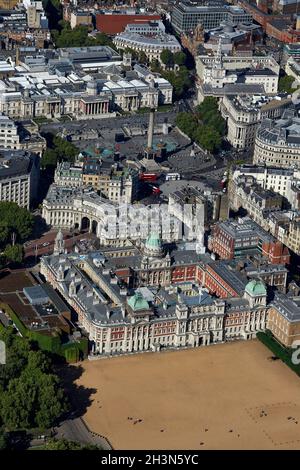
(109, 123)
(76, 430)
(35, 248)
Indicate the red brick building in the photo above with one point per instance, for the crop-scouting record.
(116, 23)
(237, 238)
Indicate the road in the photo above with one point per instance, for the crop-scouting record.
(76, 430)
(35, 247)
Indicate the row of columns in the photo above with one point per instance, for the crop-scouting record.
(97, 108)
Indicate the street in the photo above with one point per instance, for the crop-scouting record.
(44, 245)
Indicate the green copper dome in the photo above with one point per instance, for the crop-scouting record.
(153, 241)
(137, 302)
(256, 287)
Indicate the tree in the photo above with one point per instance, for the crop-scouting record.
(17, 403)
(16, 219)
(179, 58)
(155, 66)
(63, 444)
(285, 84)
(208, 138)
(49, 159)
(17, 350)
(14, 253)
(167, 58)
(142, 57)
(65, 150)
(4, 233)
(30, 394)
(76, 37)
(206, 126)
(3, 439)
(59, 150)
(187, 123)
(39, 360)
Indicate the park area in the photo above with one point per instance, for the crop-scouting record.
(228, 396)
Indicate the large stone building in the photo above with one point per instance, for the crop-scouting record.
(152, 46)
(81, 18)
(229, 278)
(113, 223)
(186, 15)
(244, 114)
(117, 183)
(238, 238)
(121, 319)
(234, 38)
(258, 202)
(19, 177)
(54, 84)
(277, 142)
(284, 319)
(36, 16)
(236, 75)
(284, 181)
(18, 137)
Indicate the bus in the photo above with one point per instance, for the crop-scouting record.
(173, 176)
(148, 176)
(155, 189)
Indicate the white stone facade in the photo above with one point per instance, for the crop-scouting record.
(122, 329)
(277, 143)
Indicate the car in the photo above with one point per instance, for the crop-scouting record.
(46, 244)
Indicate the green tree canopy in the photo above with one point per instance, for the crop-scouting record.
(155, 66)
(187, 123)
(14, 253)
(4, 233)
(59, 150)
(63, 444)
(285, 84)
(142, 57)
(30, 393)
(15, 219)
(167, 58)
(208, 138)
(3, 439)
(49, 158)
(179, 58)
(65, 36)
(206, 127)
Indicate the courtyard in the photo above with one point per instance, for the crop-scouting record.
(228, 396)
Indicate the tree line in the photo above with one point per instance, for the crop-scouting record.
(58, 150)
(16, 224)
(31, 395)
(206, 126)
(65, 36)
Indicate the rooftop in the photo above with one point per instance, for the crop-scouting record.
(287, 307)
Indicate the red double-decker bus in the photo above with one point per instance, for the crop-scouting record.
(148, 176)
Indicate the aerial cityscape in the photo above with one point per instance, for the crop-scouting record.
(149, 225)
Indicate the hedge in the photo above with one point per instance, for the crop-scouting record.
(278, 350)
(73, 352)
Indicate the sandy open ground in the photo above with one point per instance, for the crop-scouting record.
(218, 397)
